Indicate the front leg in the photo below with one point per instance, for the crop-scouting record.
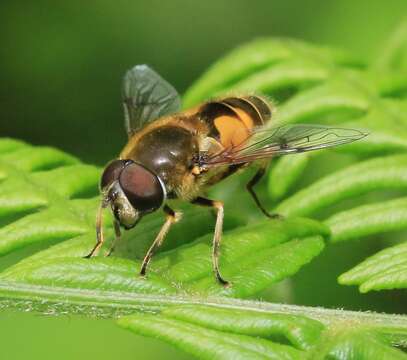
(99, 231)
(117, 237)
(217, 236)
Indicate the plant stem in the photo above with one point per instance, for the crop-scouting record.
(99, 303)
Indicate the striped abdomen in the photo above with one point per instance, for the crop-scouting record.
(232, 119)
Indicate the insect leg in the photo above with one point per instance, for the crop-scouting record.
(99, 231)
(250, 185)
(217, 236)
(171, 218)
(118, 234)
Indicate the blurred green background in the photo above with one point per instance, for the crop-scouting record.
(61, 67)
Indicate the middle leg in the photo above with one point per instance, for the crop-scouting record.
(217, 236)
(171, 218)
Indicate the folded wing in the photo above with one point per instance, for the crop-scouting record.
(287, 139)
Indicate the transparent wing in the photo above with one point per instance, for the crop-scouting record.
(146, 97)
(287, 139)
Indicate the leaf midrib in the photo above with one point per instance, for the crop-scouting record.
(120, 300)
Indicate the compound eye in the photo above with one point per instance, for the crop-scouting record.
(111, 173)
(142, 188)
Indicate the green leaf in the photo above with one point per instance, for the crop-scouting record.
(260, 55)
(296, 330)
(206, 343)
(285, 174)
(368, 220)
(351, 344)
(337, 96)
(209, 332)
(376, 174)
(385, 270)
(394, 55)
(41, 190)
(284, 247)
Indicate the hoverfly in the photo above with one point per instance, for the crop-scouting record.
(177, 155)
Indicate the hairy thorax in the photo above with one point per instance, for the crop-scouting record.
(169, 151)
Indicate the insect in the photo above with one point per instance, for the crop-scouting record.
(177, 155)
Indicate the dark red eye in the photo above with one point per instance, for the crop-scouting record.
(112, 173)
(142, 188)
